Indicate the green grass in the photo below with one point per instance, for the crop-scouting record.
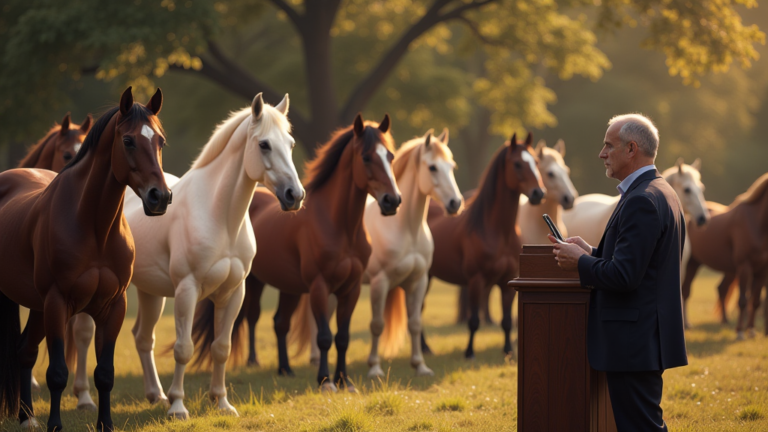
(723, 388)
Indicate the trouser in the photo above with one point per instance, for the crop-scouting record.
(636, 400)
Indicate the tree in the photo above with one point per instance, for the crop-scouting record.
(47, 44)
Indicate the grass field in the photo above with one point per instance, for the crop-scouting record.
(725, 387)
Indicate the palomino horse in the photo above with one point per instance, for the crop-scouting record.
(402, 249)
(480, 247)
(204, 246)
(560, 195)
(735, 242)
(66, 248)
(323, 248)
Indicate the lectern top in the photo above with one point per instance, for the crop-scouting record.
(538, 268)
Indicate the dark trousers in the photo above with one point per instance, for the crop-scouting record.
(636, 399)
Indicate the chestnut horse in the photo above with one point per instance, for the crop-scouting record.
(66, 248)
(323, 248)
(480, 248)
(735, 242)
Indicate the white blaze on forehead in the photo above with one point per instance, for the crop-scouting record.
(382, 152)
(532, 162)
(77, 147)
(147, 132)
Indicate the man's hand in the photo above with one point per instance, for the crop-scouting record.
(567, 255)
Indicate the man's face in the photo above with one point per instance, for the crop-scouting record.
(615, 154)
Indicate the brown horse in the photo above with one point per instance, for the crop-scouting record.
(58, 146)
(734, 242)
(323, 248)
(66, 248)
(481, 247)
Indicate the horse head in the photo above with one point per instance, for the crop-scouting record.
(686, 181)
(68, 141)
(268, 152)
(372, 167)
(521, 168)
(435, 177)
(555, 174)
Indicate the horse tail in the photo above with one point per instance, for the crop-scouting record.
(238, 356)
(70, 348)
(9, 360)
(728, 294)
(301, 330)
(395, 323)
(202, 334)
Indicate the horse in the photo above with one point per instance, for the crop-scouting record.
(67, 248)
(322, 249)
(480, 247)
(590, 214)
(560, 195)
(735, 242)
(203, 247)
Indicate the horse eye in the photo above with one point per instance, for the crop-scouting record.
(433, 168)
(518, 165)
(128, 141)
(687, 190)
(264, 145)
(551, 174)
(367, 158)
(67, 156)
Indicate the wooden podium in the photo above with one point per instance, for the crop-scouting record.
(557, 390)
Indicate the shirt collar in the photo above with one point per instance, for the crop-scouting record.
(627, 182)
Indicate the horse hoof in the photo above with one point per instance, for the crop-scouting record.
(286, 372)
(376, 372)
(469, 356)
(159, 400)
(87, 406)
(423, 370)
(30, 423)
(740, 336)
(227, 409)
(178, 411)
(328, 387)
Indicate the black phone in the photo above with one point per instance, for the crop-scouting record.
(553, 228)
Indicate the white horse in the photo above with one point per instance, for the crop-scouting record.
(204, 246)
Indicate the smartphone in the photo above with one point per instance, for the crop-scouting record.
(553, 228)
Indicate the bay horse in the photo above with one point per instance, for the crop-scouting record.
(480, 247)
(323, 249)
(735, 242)
(203, 247)
(560, 195)
(67, 248)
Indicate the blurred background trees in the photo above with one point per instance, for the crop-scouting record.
(483, 68)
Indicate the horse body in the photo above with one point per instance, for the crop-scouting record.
(203, 248)
(67, 248)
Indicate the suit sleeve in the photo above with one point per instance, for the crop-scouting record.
(639, 229)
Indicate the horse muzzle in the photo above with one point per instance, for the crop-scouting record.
(536, 196)
(453, 207)
(290, 199)
(156, 202)
(389, 204)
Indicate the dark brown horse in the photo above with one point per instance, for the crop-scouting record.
(58, 146)
(735, 242)
(322, 249)
(66, 248)
(480, 247)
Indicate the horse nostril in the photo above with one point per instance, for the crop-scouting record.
(153, 196)
(566, 200)
(701, 220)
(289, 198)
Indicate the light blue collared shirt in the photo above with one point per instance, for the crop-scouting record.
(627, 182)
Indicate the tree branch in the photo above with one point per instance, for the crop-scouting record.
(294, 16)
(476, 31)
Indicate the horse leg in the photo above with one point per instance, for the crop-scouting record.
(224, 314)
(347, 302)
(722, 294)
(691, 267)
(104, 376)
(463, 305)
(745, 281)
(414, 296)
(758, 279)
(486, 306)
(187, 295)
(56, 317)
(150, 309)
(477, 288)
(30, 340)
(314, 351)
(425, 349)
(253, 291)
(507, 298)
(285, 309)
(379, 289)
(318, 301)
(83, 327)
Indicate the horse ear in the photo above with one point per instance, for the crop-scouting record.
(65, 124)
(358, 127)
(126, 101)
(513, 140)
(560, 147)
(257, 106)
(86, 126)
(696, 164)
(529, 139)
(540, 146)
(444, 136)
(156, 102)
(384, 125)
(428, 139)
(679, 164)
(283, 105)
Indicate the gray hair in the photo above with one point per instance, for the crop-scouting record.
(640, 129)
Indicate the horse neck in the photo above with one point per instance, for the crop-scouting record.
(101, 194)
(550, 206)
(341, 198)
(233, 189)
(413, 212)
(502, 214)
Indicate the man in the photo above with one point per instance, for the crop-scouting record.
(635, 325)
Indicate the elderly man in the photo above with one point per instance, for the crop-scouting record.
(635, 328)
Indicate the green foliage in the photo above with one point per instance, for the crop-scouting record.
(349, 421)
(451, 404)
(750, 414)
(385, 404)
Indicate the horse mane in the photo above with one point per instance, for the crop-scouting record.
(482, 201)
(36, 151)
(754, 193)
(319, 170)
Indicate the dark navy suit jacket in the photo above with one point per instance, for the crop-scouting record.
(635, 308)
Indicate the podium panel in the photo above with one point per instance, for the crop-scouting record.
(557, 390)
